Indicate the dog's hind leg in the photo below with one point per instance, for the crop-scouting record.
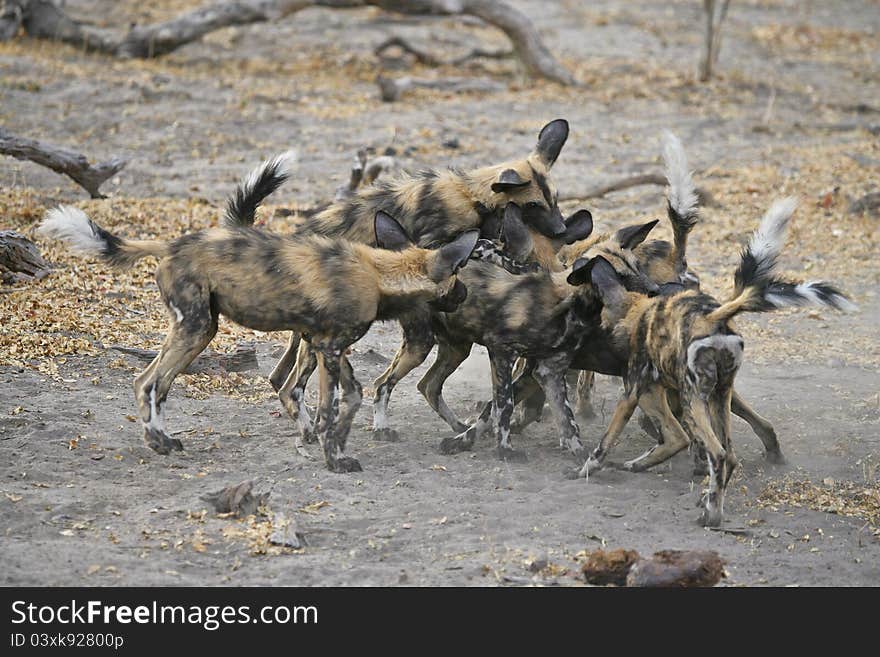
(449, 357)
(195, 324)
(418, 340)
(622, 413)
(654, 404)
(329, 368)
(549, 373)
(762, 428)
(696, 419)
(288, 360)
(528, 398)
(584, 394)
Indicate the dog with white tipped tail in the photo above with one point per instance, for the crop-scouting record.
(686, 343)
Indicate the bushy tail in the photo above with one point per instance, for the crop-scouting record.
(85, 236)
(759, 289)
(682, 198)
(262, 181)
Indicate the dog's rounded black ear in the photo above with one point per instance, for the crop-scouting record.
(453, 256)
(509, 180)
(514, 235)
(580, 271)
(578, 226)
(631, 236)
(390, 234)
(551, 139)
(605, 279)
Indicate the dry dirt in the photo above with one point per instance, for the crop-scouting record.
(794, 110)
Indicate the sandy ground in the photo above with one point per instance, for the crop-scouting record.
(794, 111)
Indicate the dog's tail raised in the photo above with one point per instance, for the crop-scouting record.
(73, 226)
(259, 183)
(757, 286)
(682, 198)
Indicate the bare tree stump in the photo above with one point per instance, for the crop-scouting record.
(20, 260)
(243, 359)
(41, 19)
(61, 160)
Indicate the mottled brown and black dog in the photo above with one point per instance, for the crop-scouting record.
(432, 206)
(328, 289)
(522, 316)
(686, 342)
(666, 266)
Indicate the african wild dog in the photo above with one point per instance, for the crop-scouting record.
(328, 289)
(432, 206)
(542, 316)
(686, 343)
(666, 265)
(512, 318)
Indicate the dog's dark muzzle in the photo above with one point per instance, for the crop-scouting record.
(450, 301)
(546, 221)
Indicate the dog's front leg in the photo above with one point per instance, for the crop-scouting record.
(465, 440)
(328, 407)
(418, 340)
(622, 413)
(550, 374)
(352, 394)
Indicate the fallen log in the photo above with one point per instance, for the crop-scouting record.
(243, 359)
(41, 19)
(20, 259)
(391, 89)
(677, 568)
(61, 160)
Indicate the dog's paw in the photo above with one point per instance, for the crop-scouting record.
(345, 464)
(510, 454)
(455, 444)
(161, 443)
(386, 435)
(710, 517)
(775, 457)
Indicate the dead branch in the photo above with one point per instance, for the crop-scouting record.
(716, 12)
(704, 197)
(428, 59)
(20, 260)
(61, 160)
(392, 88)
(41, 19)
(625, 183)
(243, 359)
